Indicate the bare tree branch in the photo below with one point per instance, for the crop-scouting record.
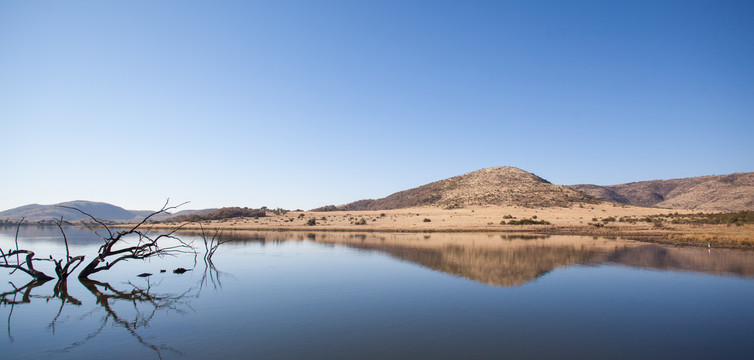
(63, 271)
(28, 263)
(18, 227)
(146, 246)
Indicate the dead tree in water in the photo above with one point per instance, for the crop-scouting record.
(61, 269)
(211, 244)
(146, 244)
(27, 265)
(64, 270)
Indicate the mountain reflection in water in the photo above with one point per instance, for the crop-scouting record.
(325, 295)
(513, 260)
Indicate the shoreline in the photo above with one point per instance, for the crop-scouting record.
(673, 237)
(608, 220)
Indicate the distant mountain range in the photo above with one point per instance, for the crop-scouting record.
(734, 192)
(505, 186)
(100, 210)
(515, 187)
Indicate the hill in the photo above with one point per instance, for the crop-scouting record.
(100, 210)
(36, 212)
(491, 186)
(734, 192)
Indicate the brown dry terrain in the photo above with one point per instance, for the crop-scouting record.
(507, 199)
(504, 186)
(581, 219)
(734, 192)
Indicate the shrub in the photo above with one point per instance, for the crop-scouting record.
(526, 222)
(311, 222)
(426, 220)
(361, 221)
(222, 214)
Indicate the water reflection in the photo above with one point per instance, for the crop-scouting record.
(515, 259)
(714, 261)
(335, 295)
(145, 304)
(12, 297)
(143, 301)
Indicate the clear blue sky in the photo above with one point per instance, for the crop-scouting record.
(299, 104)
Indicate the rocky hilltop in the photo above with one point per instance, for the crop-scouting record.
(734, 192)
(492, 186)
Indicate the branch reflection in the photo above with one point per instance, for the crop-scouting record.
(145, 304)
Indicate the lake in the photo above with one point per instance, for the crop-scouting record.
(288, 295)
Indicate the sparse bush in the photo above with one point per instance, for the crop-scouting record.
(361, 221)
(731, 218)
(426, 220)
(221, 214)
(526, 222)
(279, 211)
(326, 208)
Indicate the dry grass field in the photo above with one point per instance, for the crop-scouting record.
(507, 200)
(603, 220)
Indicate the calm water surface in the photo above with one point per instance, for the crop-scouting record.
(343, 296)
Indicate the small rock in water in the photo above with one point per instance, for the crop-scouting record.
(179, 270)
(144, 275)
(163, 270)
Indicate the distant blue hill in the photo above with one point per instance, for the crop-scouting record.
(100, 210)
